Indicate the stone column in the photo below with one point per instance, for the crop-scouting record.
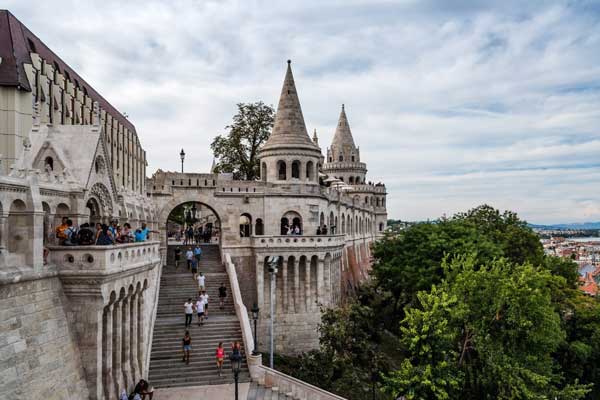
(3, 233)
(307, 296)
(320, 282)
(260, 282)
(284, 279)
(296, 291)
(117, 347)
(135, 371)
(141, 332)
(107, 357)
(126, 349)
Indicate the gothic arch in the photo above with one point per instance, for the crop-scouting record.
(102, 195)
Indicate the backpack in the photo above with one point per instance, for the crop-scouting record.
(85, 237)
(72, 235)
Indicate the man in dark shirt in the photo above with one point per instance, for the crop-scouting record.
(222, 295)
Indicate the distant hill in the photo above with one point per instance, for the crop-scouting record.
(580, 226)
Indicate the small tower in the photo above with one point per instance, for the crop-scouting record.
(289, 155)
(343, 157)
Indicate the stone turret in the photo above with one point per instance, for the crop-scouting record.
(343, 157)
(290, 155)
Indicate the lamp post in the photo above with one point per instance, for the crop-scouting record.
(236, 365)
(182, 155)
(255, 311)
(273, 261)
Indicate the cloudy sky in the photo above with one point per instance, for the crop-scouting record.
(453, 103)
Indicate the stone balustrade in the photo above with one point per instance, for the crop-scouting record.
(104, 260)
(292, 387)
(299, 241)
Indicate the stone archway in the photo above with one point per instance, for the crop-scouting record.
(215, 228)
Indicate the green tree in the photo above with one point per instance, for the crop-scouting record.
(487, 333)
(411, 261)
(237, 152)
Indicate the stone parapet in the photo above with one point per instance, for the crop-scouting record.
(293, 387)
(303, 242)
(104, 260)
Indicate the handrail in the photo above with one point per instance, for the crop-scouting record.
(240, 309)
(297, 388)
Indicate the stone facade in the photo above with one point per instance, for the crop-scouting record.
(39, 354)
(314, 270)
(76, 322)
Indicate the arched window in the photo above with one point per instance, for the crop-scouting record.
(49, 163)
(263, 172)
(259, 228)
(331, 222)
(310, 173)
(322, 220)
(296, 169)
(335, 226)
(245, 225)
(352, 157)
(351, 180)
(357, 180)
(343, 224)
(281, 170)
(341, 158)
(380, 226)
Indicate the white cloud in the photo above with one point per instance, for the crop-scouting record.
(453, 103)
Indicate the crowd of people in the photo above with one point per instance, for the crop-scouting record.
(100, 234)
(291, 230)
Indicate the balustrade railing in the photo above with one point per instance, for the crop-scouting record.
(309, 241)
(104, 259)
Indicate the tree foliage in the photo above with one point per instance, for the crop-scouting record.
(466, 307)
(237, 152)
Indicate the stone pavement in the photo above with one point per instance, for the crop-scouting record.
(209, 392)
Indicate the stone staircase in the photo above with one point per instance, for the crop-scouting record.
(259, 392)
(166, 366)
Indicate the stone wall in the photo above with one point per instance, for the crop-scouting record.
(39, 357)
(294, 333)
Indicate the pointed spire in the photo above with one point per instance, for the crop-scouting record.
(343, 136)
(212, 167)
(315, 139)
(289, 127)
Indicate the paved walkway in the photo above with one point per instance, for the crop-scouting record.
(210, 392)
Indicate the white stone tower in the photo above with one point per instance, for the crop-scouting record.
(290, 156)
(343, 157)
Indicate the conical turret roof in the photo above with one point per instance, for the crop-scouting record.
(289, 129)
(343, 136)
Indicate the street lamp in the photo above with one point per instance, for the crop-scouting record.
(182, 155)
(255, 311)
(236, 365)
(273, 261)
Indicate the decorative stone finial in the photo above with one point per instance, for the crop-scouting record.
(289, 62)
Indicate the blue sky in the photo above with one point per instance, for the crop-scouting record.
(453, 103)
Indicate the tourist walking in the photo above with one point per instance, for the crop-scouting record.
(200, 310)
(204, 297)
(189, 311)
(197, 253)
(220, 357)
(187, 347)
(177, 256)
(195, 268)
(222, 295)
(189, 255)
(201, 282)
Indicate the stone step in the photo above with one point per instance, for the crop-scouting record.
(176, 286)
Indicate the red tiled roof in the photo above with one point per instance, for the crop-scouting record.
(15, 43)
(590, 286)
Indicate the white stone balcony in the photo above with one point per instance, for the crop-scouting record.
(104, 260)
(299, 241)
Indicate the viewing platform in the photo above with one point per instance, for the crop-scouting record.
(104, 260)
